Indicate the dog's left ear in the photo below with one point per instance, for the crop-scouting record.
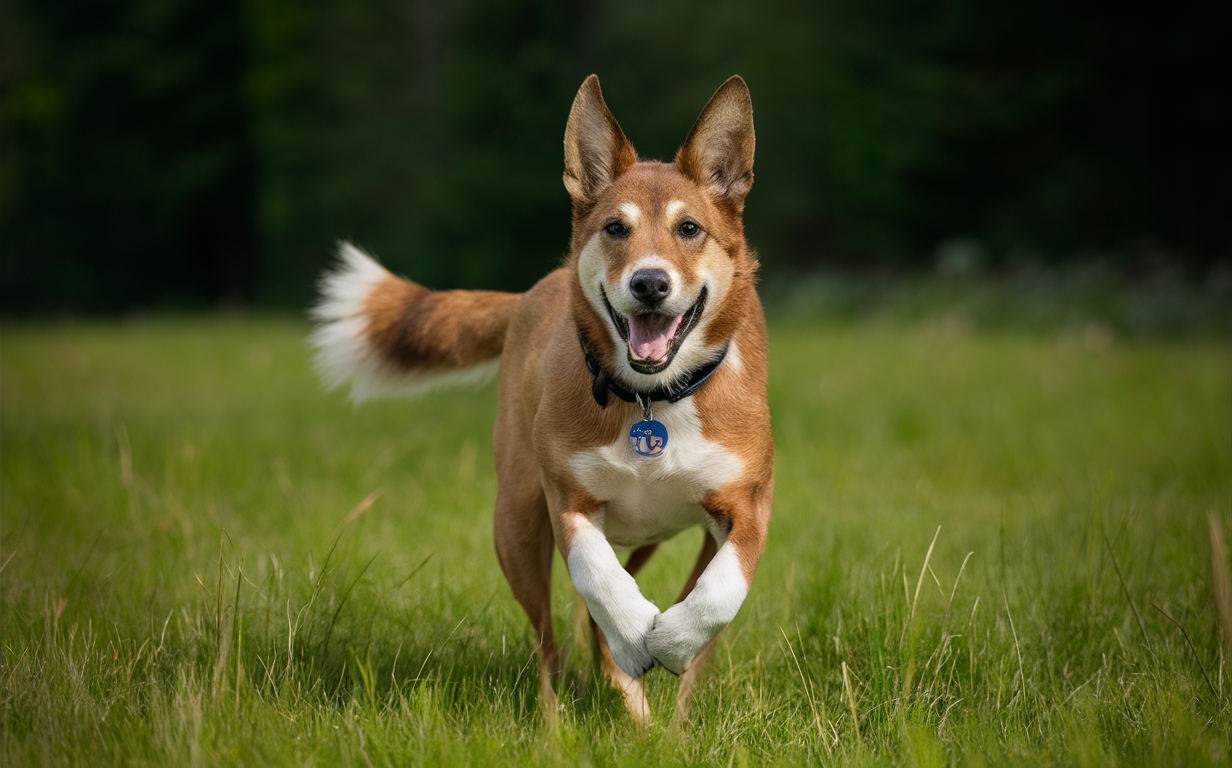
(718, 152)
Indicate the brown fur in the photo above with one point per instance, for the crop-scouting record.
(414, 328)
(544, 387)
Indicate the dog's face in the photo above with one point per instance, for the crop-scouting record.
(660, 252)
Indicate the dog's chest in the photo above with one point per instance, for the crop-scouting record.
(649, 499)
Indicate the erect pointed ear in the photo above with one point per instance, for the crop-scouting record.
(596, 150)
(718, 152)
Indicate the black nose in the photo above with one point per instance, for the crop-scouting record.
(650, 286)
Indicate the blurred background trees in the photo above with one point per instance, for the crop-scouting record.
(185, 153)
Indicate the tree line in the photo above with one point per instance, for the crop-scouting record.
(187, 153)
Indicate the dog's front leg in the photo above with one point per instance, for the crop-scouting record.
(683, 630)
(611, 594)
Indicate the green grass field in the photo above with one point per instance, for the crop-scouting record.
(183, 582)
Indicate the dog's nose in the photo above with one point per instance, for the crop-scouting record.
(650, 286)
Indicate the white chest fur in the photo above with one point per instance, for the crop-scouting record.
(651, 498)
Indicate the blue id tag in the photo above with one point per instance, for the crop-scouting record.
(648, 437)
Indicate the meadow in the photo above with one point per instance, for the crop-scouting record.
(988, 547)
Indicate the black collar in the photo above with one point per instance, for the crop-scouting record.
(604, 383)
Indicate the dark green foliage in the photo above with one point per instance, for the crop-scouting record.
(172, 152)
(136, 174)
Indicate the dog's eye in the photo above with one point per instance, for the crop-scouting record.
(616, 229)
(688, 229)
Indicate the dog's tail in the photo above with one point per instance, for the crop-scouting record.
(384, 334)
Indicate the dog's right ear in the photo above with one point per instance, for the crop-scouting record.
(596, 150)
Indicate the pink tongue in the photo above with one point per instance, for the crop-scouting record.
(650, 336)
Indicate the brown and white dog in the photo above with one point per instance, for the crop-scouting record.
(654, 314)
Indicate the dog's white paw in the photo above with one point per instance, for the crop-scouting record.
(627, 640)
(676, 638)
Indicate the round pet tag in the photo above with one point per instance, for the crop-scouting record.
(648, 437)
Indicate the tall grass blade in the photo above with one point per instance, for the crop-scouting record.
(359, 509)
(851, 701)
(919, 583)
(1128, 597)
(1192, 650)
(1221, 582)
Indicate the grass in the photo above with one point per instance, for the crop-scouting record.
(1093, 295)
(987, 548)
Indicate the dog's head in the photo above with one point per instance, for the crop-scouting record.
(662, 264)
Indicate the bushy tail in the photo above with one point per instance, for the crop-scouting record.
(387, 335)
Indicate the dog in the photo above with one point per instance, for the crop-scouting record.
(632, 388)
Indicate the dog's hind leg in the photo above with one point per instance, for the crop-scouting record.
(688, 681)
(524, 546)
(639, 557)
(631, 691)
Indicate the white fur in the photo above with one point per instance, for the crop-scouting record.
(343, 352)
(733, 358)
(652, 498)
(672, 208)
(611, 595)
(681, 631)
(632, 213)
(693, 352)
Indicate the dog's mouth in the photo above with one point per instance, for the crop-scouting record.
(653, 338)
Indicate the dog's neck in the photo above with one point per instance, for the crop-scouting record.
(605, 383)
